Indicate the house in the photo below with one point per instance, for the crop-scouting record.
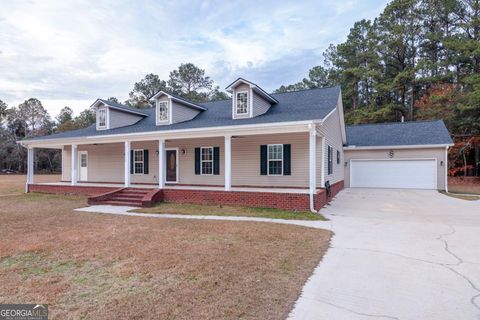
(256, 149)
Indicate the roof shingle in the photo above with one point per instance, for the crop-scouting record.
(398, 134)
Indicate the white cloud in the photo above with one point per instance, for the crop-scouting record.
(71, 52)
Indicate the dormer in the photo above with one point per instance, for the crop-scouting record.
(110, 115)
(172, 109)
(248, 99)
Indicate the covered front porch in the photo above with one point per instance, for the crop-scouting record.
(270, 169)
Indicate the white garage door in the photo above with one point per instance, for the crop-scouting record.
(414, 174)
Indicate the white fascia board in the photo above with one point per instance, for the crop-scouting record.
(252, 129)
(414, 146)
(181, 101)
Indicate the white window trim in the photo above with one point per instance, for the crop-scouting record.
(169, 112)
(202, 161)
(248, 103)
(142, 162)
(107, 118)
(329, 148)
(268, 159)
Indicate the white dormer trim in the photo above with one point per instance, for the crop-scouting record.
(169, 111)
(107, 117)
(250, 103)
(177, 99)
(235, 109)
(254, 87)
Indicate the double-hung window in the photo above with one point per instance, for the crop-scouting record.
(162, 111)
(330, 160)
(102, 117)
(242, 103)
(206, 160)
(275, 159)
(138, 161)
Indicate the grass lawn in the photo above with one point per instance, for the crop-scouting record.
(94, 266)
(194, 209)
(15, 183)
(461, 196)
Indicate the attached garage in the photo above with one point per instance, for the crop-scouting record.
(405, 155)
(404, 173)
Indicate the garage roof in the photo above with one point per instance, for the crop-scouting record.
(398, 134)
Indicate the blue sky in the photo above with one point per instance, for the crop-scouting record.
(72, 52)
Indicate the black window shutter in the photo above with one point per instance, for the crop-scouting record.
(263, 160)
(287, 168)
(131, 161)
(216, 160)
(145, 161)
(197, 160)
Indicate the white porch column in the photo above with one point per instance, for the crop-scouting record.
(322, 165)
(313, 160)
(161, 163)
(228, 163)
(127, 164)
(74, 174)
(30, 166)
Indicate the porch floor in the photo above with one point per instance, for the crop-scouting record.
(180, 187)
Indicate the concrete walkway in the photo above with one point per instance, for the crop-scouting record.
(396, 254)
(125, 210)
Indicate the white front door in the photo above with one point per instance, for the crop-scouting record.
(408, 174)
(83, 166)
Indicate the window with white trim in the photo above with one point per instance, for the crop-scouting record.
(206, 160)
(162, 111)
(275, 159)
(242, 103)
(102, 117)
(330, 160)
(138, 161)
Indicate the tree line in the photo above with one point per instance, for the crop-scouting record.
(30, 118)
(419, 59)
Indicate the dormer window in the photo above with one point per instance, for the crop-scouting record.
(162, 111)
(102, 117)
(242, 103)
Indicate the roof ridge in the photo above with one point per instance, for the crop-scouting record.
(392, 123)
(307, 89)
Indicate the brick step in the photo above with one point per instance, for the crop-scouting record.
(128, 194)
(121, 203)
(123, 198)
(137, 190)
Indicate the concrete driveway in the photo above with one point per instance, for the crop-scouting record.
(397, 254)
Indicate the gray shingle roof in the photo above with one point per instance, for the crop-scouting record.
(398, 134)
(122, 107)
(301, 105)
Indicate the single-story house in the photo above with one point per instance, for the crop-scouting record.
(256, 149)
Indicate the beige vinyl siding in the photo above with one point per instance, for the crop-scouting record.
(67, 163)
(241, 88)
(122, 119)
(246, 160)
(331, 130)
(260, 106)
(186, 161)
(427, 153)
(182, 113)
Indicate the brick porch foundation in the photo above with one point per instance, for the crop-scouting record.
(283, 201)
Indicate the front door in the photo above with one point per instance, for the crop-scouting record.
(172, 165)
(83, 166)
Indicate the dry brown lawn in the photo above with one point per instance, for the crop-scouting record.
(15, 183)
(464, 188)
(93, 266)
